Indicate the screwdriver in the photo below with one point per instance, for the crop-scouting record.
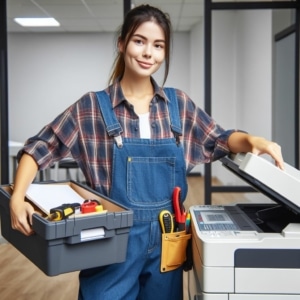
(62, 212)
(166, 221)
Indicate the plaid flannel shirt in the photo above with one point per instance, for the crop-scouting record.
(80, 131)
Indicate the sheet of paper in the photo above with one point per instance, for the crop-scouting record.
(47, 196)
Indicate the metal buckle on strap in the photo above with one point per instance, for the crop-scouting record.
(119, 141)
(177, 137)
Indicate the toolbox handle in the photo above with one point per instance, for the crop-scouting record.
(88, 235)
(92, 234)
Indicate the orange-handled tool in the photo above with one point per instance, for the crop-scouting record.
(180, 214)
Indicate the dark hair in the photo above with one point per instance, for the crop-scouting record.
(133, 19)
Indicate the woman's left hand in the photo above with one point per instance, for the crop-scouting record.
(243, 142)
(262, 146)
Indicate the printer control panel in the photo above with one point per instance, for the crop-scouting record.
(212, 221)
(214, 218)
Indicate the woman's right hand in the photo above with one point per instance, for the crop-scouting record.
(21, 211)
(21, 215)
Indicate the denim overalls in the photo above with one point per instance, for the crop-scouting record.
(145, 171)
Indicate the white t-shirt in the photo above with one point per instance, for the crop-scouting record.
(145, 132)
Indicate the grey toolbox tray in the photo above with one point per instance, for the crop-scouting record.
(59, 247)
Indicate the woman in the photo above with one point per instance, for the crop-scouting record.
(134, 144)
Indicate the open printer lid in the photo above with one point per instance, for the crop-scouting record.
(281, 186)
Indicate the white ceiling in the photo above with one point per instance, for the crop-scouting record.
(96, 15)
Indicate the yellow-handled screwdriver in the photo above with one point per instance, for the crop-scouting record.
(166, 221)
(62, 212)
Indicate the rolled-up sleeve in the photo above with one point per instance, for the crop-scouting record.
(53, 141)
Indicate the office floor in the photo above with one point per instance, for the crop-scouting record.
(20, 279)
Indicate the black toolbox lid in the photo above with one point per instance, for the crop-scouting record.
(281, 186)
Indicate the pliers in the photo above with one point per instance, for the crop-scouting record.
(180, 214)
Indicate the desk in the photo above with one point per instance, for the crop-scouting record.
(67, 164)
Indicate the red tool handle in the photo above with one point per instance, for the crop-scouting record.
(180, 215)
(88, 207)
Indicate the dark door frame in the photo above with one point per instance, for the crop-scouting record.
(4, 153)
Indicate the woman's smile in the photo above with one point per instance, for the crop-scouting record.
(145, 65)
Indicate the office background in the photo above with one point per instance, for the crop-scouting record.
(243, 68)
(49, 71)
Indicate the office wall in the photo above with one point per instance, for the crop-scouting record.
(48, 72)
(197, 71)
(283, 115)
(242, 74)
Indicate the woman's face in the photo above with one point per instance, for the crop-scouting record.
(145, 51)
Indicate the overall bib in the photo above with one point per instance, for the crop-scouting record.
(145, 172)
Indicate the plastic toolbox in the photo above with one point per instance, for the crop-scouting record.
(75, 243)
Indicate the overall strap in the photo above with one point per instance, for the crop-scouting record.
(174, 111)
(113, 126)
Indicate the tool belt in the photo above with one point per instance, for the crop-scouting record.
(176, 251)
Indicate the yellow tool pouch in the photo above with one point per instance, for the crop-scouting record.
(174, 247)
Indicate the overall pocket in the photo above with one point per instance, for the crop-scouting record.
(150, 179)
(173, 253)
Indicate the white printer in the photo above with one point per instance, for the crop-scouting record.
(249, 251)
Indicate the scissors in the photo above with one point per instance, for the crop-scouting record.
(180, 214)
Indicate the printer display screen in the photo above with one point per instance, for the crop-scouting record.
(214, 219)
